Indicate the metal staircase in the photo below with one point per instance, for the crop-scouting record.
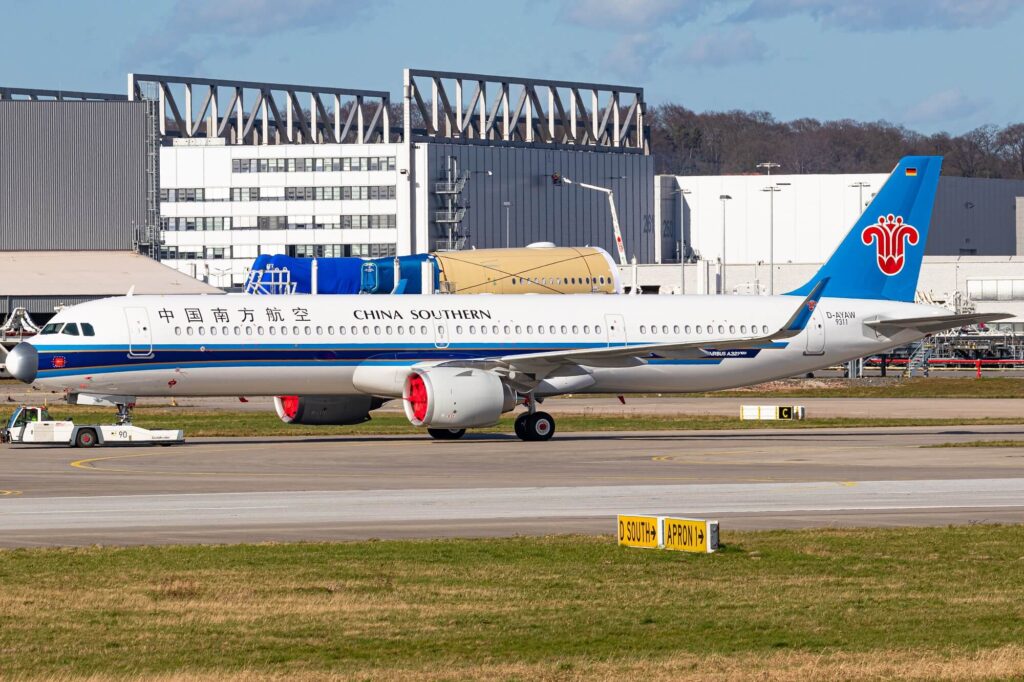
(917, 363)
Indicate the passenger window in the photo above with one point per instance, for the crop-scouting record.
(483, 329)
(177, 331)
(765, 329)
(472, 329)
(87, 329)
(597, 329)
(309, 331)
(389, 329)
(508, 329)
(295, 330)
(376, 329)
(519, 329)
(732, 329)
(71, 329)
(248, 331)
(540, 329)
(698, 329)
(721, 329)
(664, 329)
(551, 328)
(189, 331)
(423, 329)
(259, 330)
(586, 329)
(675, 329)
(565, 330)
(529, 329)
(237, 330)
(272, 330)
(494, 329)
(284, 330)
(401, 329)
(202, 331)
(213, 331)
(575, 329)
(743, 329)
(319, 331)
(330, 330)
(366, 330)
(643, 329)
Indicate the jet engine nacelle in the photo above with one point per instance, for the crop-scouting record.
(455, 397)
(325, 409)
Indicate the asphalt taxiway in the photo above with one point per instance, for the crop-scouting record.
(231, 490)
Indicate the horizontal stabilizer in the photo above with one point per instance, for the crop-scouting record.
(935, 323)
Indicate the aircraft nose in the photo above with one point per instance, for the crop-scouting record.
(23, 362)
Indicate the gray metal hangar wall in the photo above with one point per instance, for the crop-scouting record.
(542, 211)
(73, 174)
(977, 217)
(507, 136)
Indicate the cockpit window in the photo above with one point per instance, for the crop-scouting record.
(71, 329)
(87, 329)
(52, 328)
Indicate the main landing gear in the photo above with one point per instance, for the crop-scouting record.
(534, 425)
(446, 434)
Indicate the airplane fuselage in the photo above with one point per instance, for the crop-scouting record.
(306, 345)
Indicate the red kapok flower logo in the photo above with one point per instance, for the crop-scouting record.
(891, 235)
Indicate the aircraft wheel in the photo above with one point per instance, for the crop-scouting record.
(86, 438)
(520, 425)
(446, 434)
(539, 426)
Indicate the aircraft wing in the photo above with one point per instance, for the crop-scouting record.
(935, 323)
(632, 355)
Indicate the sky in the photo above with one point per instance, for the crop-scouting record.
(931, 65)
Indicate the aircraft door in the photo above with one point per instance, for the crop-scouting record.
(815, 334)
(140, 336)
(616, 325)
(441, 334)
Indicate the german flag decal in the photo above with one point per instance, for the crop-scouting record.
(911, 172)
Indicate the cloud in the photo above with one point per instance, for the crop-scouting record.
(726, 48)
(943, 107)
(631, 15)
(633, 55)
(885, 15)
(203, 30)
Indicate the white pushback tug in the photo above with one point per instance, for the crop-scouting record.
(33, 425)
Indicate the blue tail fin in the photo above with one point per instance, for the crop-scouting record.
(881, 256)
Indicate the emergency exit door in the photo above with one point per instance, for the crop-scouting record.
(140, 336)
(815, 334)
(616, 325)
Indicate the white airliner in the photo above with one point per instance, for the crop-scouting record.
(460, 362)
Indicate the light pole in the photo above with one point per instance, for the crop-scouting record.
(508, 206)
(860, 185)
(772, 189)
(724, 198)
(769, 165)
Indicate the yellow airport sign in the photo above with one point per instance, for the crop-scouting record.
(690, 535)
(640, 531)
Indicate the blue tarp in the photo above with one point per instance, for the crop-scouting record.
(350, 275)
(379, 275)
(334, 275)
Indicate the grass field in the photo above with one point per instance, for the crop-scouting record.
(200, 423)
(788, 605)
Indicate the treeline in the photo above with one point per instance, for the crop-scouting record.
(734, 142)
